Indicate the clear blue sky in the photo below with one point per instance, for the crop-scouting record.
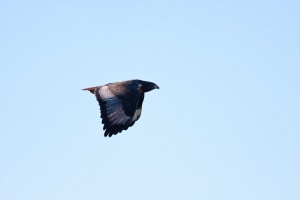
(225, 124)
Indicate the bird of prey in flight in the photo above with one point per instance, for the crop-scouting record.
(121, 103)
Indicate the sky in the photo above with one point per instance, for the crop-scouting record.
(224, 124)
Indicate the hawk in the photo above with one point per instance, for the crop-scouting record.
(121, 103)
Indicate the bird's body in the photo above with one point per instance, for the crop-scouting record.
(121, 103)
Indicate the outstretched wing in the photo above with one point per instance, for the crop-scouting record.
(118, 103)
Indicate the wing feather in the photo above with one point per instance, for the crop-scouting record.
(118, 103)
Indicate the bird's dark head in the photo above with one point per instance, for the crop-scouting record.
(147, 86)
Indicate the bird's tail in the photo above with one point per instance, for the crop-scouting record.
(91, 89)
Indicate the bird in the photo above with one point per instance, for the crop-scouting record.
(121, 103)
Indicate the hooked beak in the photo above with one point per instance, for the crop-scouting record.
(156, 87)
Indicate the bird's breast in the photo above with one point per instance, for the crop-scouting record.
(137, 114)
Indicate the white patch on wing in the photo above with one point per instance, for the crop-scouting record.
(115, 111)
(105, 93)
(137, 114)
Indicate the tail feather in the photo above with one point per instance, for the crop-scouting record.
(91, 89)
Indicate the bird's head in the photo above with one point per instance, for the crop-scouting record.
(147, 86)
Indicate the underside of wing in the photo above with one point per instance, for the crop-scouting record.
(118, 105)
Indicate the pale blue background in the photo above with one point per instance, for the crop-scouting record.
(223, 126)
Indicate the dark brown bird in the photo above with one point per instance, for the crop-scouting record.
(121, 103)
